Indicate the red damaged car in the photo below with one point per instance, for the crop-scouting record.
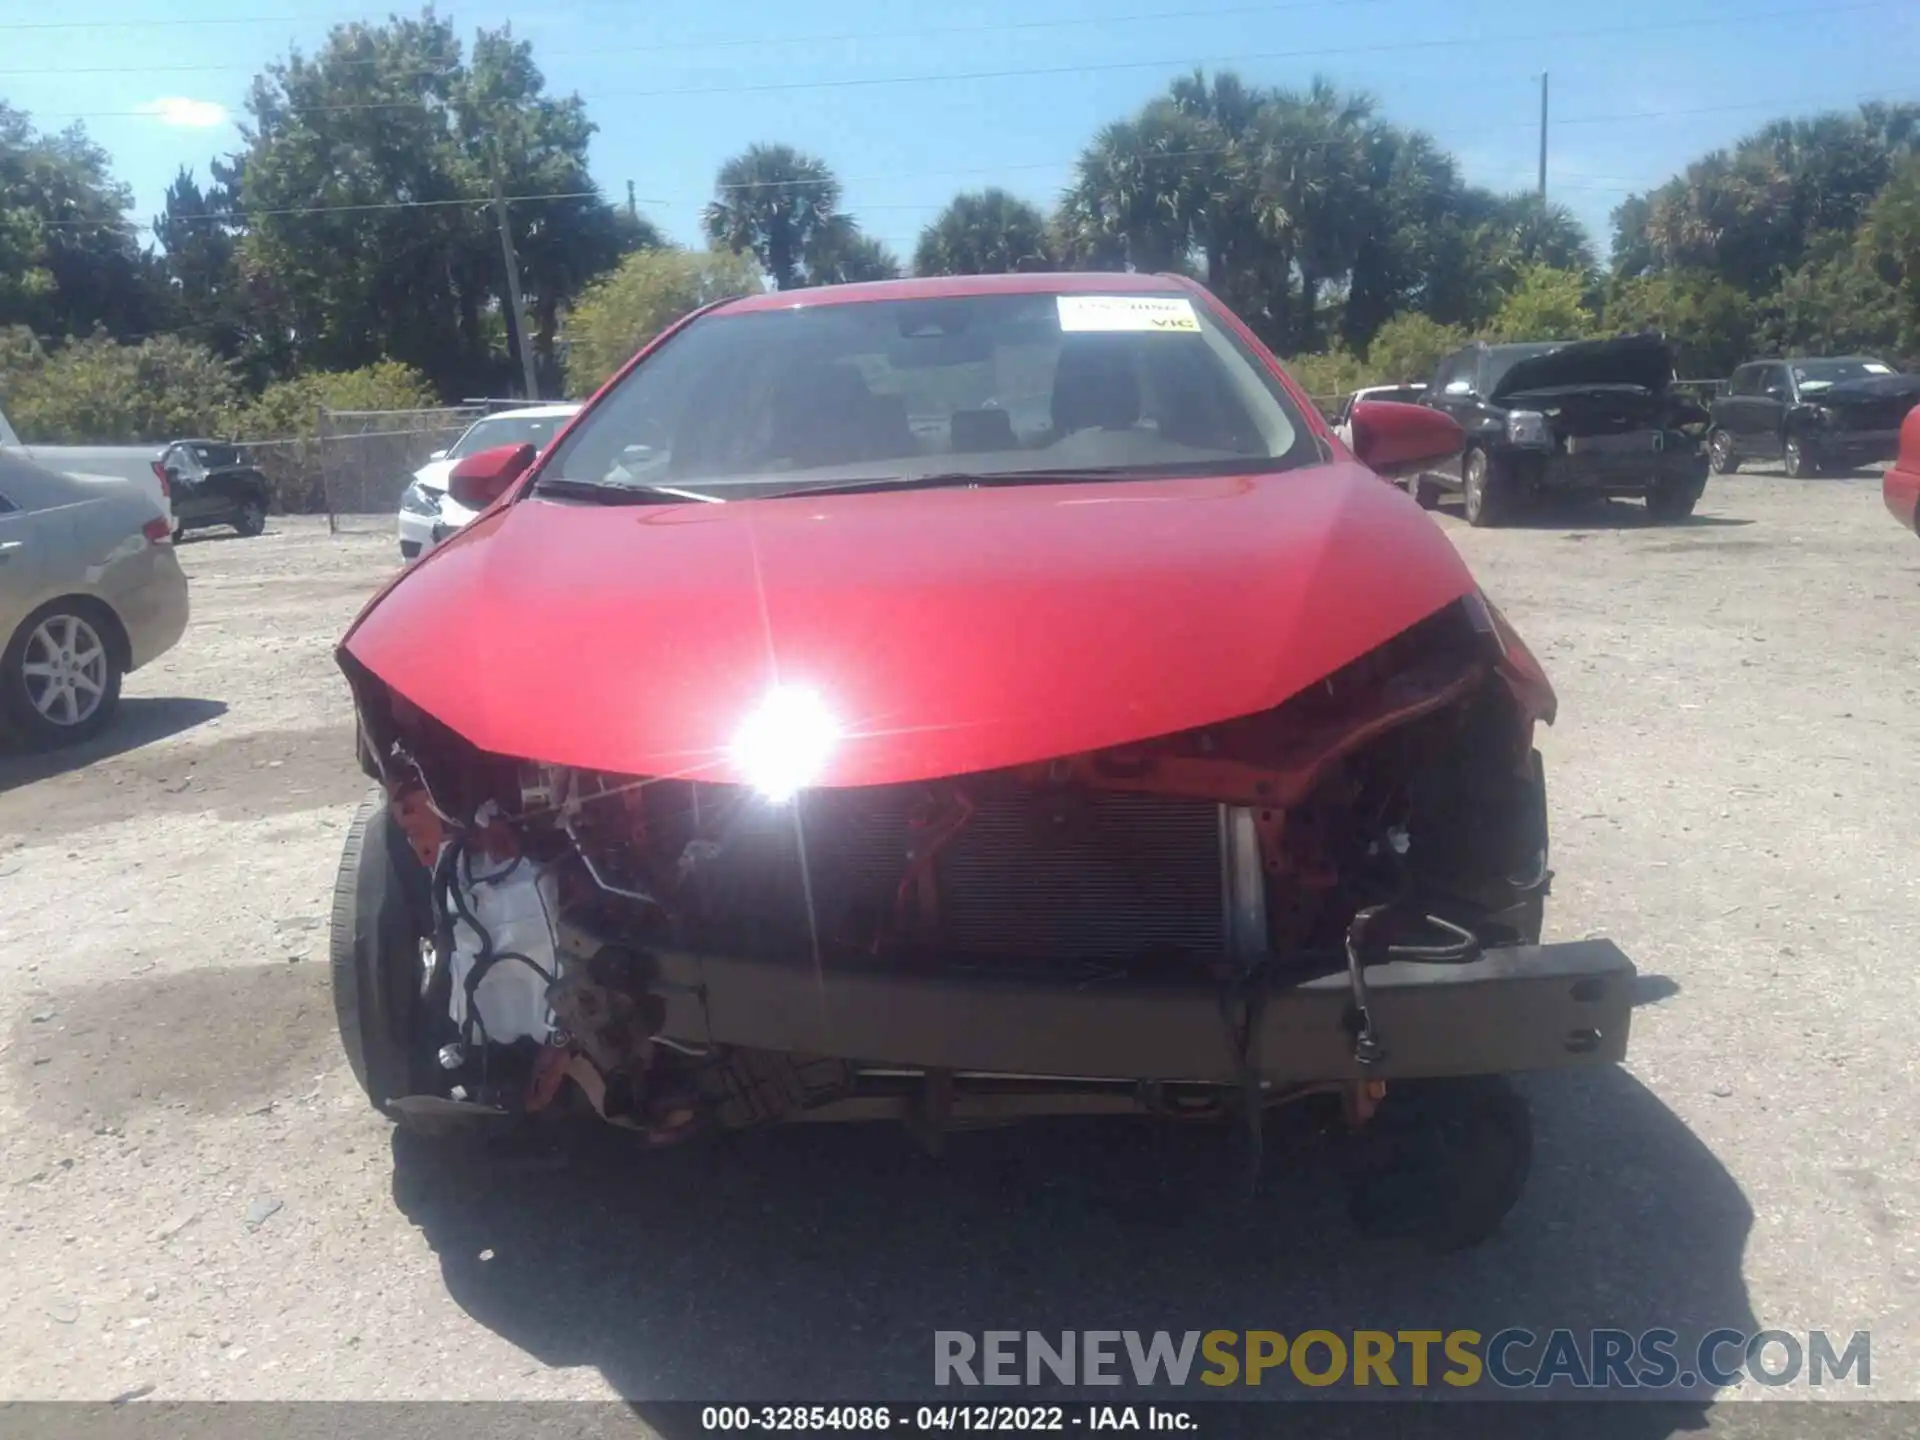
(962, 699)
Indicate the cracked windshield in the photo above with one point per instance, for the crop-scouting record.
(880, 719)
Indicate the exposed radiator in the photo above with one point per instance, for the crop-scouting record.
(1057, 875)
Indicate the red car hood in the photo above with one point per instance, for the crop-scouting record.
(947, 631)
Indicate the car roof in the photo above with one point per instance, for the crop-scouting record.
(941, 287)
(534, 412)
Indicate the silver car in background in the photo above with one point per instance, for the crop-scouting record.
(89, 591)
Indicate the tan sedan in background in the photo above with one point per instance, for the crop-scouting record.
(89, 591)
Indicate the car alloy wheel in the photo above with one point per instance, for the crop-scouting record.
(1799, 464)
(252, 518)
(65, 668)
(1480, 496)
(1720, 453)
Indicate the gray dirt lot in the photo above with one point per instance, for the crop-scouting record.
(197, 1200)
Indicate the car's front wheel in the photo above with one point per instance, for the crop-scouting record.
(61, 673)
(1720, 453)
(1484, 490)
(1672, 500)
(1441, 1162)
(251, 518)
(1800, 459)
(380, 908)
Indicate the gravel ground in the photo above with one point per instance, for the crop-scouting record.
(197, 1201)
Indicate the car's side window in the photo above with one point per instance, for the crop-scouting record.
(1746, 381)
(1456, 374)
(1774, 381)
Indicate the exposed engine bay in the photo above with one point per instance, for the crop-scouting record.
(585, 928)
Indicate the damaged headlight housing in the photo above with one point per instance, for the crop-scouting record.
(419, 500)
(1529, 427)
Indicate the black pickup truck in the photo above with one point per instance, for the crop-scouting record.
(1831, 414)
(210, 483)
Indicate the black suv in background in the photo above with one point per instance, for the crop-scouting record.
(1561, 417)
(1811, 414)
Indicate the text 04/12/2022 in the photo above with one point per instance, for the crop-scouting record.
(1510, 1358)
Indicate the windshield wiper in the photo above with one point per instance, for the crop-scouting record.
(956, 479)
(614, 492)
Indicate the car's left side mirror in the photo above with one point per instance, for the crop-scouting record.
(483, 477)
(1392, 438)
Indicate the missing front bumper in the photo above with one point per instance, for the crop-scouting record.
(1514, 1009)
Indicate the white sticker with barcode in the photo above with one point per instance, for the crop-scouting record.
(1079, 313)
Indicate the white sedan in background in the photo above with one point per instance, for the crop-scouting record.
(428, 514)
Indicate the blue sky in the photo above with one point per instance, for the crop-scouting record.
(1668, 80)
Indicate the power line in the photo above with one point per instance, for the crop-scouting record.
(754, 42)
(1108, 67)
(1579, 183)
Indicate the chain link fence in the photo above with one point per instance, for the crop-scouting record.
(360, 462)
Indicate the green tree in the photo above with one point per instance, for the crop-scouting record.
(986, 232)
(1890, 244)
(617, 315)
(1545, 304)
(1138, 193)
(366, 180)
(1409, 347)
(99, 391)
(777, 204)
(1710, 324)
(843, 255)
(69, 262)
(1758, 210)
(199, 232)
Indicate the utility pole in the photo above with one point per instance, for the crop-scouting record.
(1543, 137)
(513, 293)
(633, 205)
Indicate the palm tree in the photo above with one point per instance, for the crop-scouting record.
(1139, 191)
(840, 254)
(777, 203)
(1313, 166)
(988, 232)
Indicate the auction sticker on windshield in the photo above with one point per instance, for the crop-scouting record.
(1126, 312)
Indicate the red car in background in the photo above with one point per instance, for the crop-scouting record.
(1900, 486)
(959, 699)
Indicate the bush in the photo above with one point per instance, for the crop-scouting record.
(289, 411)
(615, 316)
(1329, 376)
(1409, 347)
(1710, 324)
(1546, 304)
(99, 392)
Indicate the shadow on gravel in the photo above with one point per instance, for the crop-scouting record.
(815, 1263)
(1609, 515)
(141, 721)
(214, 1041)
(245, 776)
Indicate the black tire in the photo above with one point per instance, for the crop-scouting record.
(1672, 500)
(91, 668)
(1428, 492)
(380, 903)
(1441, 1163)
(1799, 458)
(1720, 456)
(1484, 491)
(251, 518)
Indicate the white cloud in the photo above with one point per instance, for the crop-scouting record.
(185, 113)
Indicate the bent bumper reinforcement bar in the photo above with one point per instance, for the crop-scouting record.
(1516, 1008)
